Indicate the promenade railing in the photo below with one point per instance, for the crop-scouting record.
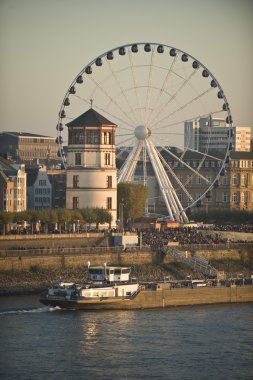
(119, 249)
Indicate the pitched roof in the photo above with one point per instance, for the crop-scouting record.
(90, 118)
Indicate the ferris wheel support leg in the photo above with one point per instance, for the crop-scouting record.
(172, 202)
(159, 179)
(127, 171)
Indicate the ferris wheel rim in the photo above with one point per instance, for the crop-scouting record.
(156, 45)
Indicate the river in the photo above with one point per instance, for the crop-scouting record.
(186, 343)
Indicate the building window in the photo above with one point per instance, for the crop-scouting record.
(109, 181)
(107, 138)
(79, 137)
(93, 137)
(198, 180)
(189, 179)
(225, 180)
(246, 197)
(75, 181)
(235, 197)
(225, 197)
(77, 158)
(198, 195)
(234, 180)
(107, 159)
(75, 203)
(109, 203)
(243, 179)
(181, 178)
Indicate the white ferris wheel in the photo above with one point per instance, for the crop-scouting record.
(165, 104)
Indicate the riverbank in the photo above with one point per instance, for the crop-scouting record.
(37, 279)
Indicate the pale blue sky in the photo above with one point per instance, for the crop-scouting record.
(45, 43)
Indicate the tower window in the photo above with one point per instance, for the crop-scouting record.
(107, 138)
(79, 137)
(109, 181)
(109, 203)
(93, 137)
(75, 203)
(107, 159)
(75, 181)
(77, 158)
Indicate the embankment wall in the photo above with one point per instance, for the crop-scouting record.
(65, 258)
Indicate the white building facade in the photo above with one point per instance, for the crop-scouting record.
(242, 137)
(91, 174)
(212, 134)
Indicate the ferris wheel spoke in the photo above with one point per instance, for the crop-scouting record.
(183, 107)
(163, 87)
(149, 86)
(185, 164)
(135, 83)
(127, 142)
(175, 176)
(105, 111)
(185, 82)
(112, 100)
(181, 122)
(122, 90)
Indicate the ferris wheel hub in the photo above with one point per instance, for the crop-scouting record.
(141, 132)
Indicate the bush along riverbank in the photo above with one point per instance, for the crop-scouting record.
(37, 280)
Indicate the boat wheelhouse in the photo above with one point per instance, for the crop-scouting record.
(109, 273)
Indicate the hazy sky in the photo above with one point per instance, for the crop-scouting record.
(45, 43)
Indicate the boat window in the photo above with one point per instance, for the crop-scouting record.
(117, 271)
(125, 271)
(96, 271)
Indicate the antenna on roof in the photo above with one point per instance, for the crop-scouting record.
(91, 102)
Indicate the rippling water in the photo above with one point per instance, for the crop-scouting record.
(200, 342)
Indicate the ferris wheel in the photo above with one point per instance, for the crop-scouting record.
(170, 112)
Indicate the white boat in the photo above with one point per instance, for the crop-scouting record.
(108, 285)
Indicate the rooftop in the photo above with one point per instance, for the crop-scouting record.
(24, 134)
(90, 118)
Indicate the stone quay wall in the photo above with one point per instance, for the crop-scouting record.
(24, 252)
(66, 258)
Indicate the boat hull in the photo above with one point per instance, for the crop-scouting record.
(98, 304)
(158, 299)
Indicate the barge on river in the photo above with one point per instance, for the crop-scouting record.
(111, 288)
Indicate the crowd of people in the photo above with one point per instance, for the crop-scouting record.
(182, 236)
(156, 239)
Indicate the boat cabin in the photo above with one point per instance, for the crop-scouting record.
(110, 274)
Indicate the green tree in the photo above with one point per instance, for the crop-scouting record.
(5, 219)
(64, 217)
(44, 217)
(133, 198)
(76, 218)
(54, 218)
(89, 215)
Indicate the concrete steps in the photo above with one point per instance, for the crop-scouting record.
(198, 263)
